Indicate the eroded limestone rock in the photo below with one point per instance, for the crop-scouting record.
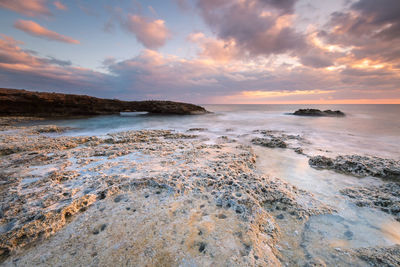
(360, 166)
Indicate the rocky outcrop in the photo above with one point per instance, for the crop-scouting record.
(278, 139)
(25, 103)
(381, 256)
(318, 113)
(360, 166)
(385, 197)
(271, 143)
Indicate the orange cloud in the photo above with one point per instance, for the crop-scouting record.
(34, 29)
(30, 8)
(60, 5)
(272, 94)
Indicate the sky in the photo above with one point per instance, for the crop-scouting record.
(205, 51)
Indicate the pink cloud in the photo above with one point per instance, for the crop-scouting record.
(151, 33)
(23, 69)
(35, 29)
(215, 49)
(30, 8)
(258, 27)
(152, 75)
(60, 5)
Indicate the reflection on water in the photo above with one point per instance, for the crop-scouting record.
(349, 226)
(392, 231)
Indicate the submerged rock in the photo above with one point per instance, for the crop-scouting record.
(197, 130)
(360, 166)
(319, 113)
(384, 197)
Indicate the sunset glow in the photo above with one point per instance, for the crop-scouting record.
(201, 51)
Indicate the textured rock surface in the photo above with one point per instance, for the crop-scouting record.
(358, 165)
(279, 139)
(318, 113)
(25, 103)
(151, 198)
(385, 197)
(269, 142)
(382, 257)
(84, 199)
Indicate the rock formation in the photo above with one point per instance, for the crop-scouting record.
(318, 113)
(385, 197)
(360, 166)
(15, 102)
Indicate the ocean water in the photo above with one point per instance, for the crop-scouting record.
(365, 130)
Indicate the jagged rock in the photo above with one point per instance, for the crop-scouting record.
(269, 142)
(381, 256)
(319, 113)
(25, 103)
(360, 166)
(385, 197)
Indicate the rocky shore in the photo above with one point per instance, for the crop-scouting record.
(151, 198)
(15, 102)
(64, 197)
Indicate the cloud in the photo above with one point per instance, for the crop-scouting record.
(34, 29)
(30, 8)
(151, 33)
(371, 28)
(214, 49)
(183, 4)
(60, 5)
(258, 27)
(153, 75)
(22, 69)
(55, 61)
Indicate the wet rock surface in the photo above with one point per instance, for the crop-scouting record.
(360, 166)
(384, 197)
(149, 198)
(382, 257)
(279, 139)
(318, 113)
(271, 142)
(15, 102)
(206, 194)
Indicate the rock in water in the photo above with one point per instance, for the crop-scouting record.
(271, 142)
(360, 166)
(385, 197)
(318, 113)
(15, 102)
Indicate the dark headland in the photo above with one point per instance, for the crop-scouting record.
(14, 102)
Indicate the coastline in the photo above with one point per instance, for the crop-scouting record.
(15, 102)
(149, 197)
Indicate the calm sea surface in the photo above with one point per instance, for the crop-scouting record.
(367, 129)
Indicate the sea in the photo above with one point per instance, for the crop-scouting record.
(366, 129)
